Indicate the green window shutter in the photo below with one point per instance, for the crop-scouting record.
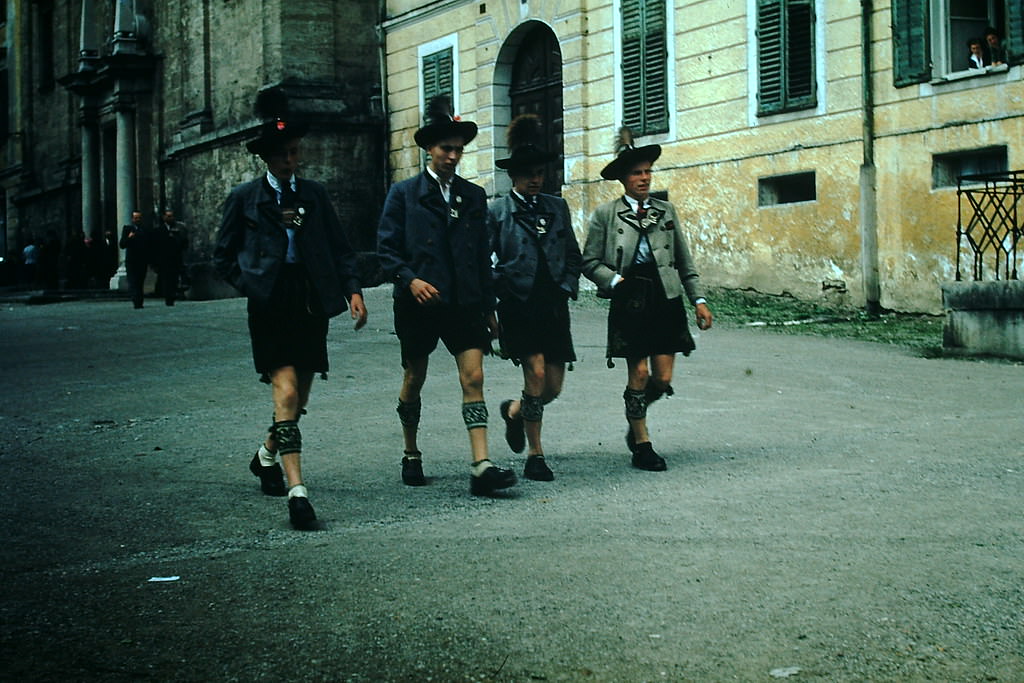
(770, 57)
(437, 75)
(656, 59)
(785, 55)
(910, 49)
(644, 66)
(1015, 32)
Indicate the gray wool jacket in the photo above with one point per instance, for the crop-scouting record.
(516, 243)
(612, 239)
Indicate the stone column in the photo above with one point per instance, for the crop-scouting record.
(90, 177)
(125, 165)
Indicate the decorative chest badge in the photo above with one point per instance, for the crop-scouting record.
(292, 218)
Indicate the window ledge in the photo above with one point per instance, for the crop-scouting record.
(970, 73)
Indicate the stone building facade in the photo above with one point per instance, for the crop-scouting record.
(813, 146)
(111, 106)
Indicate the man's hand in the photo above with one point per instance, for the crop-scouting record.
(423, 292)
(492, 324)
(703, 316)
(358, 309)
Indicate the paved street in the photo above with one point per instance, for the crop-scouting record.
(833, 510)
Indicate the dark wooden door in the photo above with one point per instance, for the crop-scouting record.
(537, 89)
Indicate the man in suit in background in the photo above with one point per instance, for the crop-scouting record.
(135, 242)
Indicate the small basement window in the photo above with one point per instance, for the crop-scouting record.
(946, 168)
(786, 189)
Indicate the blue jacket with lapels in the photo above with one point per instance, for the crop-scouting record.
(252, 244)
(446, 244)
(519, 234)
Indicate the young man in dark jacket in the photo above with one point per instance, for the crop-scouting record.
(281, 244)
(433, 244)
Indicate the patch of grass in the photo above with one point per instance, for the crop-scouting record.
(789, 315)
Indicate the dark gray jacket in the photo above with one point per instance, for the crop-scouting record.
(516, 244)
(251, 244)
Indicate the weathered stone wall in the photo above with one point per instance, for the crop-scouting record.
(195, 108)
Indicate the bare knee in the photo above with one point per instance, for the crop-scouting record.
(472, 378)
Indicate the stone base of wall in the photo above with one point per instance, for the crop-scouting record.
(984, 318)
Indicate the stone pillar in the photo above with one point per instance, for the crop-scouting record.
(125, 165)
(90, 177)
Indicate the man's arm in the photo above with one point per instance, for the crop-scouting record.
(573, 257)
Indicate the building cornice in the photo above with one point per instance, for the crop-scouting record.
(426, 12)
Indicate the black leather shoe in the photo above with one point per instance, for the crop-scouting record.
(630, 440)
(490, 480)
(271, 478)
(537, 469)
(412, 472)
(514, 434)
(645, 458)
(301, 514)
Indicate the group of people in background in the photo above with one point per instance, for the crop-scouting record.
(90, 263)
(464, 273)
(163, 247)
(986, 51)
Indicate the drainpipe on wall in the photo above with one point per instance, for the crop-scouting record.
(382, 46)
(868, 186)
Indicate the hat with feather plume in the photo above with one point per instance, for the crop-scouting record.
(525, 144)
(278, 126)
(442, 124)
(627, 155)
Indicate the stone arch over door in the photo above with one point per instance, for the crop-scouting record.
(528, 79)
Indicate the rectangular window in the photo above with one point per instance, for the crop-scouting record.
(644, 66)
(930, 37)
(785, 56)
(437, 75)
(786, 189)
(947, 168)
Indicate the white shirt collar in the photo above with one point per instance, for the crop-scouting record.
(526, 200)
(633, 203)
(276, 184)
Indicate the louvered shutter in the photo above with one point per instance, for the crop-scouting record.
(437, 75)
(644, 66)
(656, 62)
(770, 57)
(1015, 31)
(910, 50)
(785, 55)
(632, 65)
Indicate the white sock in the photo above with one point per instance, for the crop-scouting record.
(267, 458)
(297, 491)
(481, 466)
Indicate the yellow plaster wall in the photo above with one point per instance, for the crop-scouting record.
(718, 148)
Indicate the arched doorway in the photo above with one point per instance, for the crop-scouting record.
(535, 87)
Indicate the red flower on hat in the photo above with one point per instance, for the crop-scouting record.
(281, 124)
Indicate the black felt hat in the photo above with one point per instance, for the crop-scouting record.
(441, 124)
(628, 156)
(278, 125)
(524, 141)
